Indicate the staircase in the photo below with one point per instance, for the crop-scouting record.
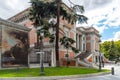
(82, 59)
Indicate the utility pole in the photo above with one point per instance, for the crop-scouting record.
(57, 32)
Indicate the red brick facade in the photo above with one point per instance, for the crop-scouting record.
(22, 18)
(88, 37)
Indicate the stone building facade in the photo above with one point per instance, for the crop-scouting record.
(89, 46)
(87, 41)
(66, 28)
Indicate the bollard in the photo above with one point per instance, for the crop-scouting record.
(112, 71)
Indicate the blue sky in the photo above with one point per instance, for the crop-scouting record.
(104, 15)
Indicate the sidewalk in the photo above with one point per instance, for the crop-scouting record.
(109, 66)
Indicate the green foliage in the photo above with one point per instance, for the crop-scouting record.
(42, 11)
(75, 49)
(105, 47)
(78, 8)
(111, 49)
(117, 47)
(67, 43)
(52, 38)
(44, 30)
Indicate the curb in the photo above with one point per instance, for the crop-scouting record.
(56, 77)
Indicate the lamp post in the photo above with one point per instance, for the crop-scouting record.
(41, 53)
(99, 56)
(99, 61)
(67, 55)
(53, 21)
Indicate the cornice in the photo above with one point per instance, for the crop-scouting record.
(14, 25)
(89, 30)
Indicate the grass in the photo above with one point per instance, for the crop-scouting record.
(56, 71)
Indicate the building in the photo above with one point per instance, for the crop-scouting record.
(14, 44)
(66, 28)
(87, 41)
(89, 46)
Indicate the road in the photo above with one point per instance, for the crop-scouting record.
(116, 75)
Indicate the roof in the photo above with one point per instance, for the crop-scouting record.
(12, 24)
(88, 30)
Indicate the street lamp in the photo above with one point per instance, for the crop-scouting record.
(99, 56)
(67, 55)
(99, 61)
(53, 21)
(41, 52)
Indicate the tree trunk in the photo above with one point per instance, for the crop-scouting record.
(57, 33)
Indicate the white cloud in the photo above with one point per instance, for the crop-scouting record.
(110, 39)
(9, 8)
(89, 4)
(95, 10)
(109, 14)
(117, 36)
(100, 29)
(12, 3)
(104, 17)
(102, 14)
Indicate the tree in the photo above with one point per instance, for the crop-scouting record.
(42, 11)
(111, 50)
(117, 47)
(112, 54)
(105, 48)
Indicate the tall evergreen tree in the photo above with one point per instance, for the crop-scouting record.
(41, 11)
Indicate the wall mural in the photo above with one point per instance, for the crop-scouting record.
(14, 47)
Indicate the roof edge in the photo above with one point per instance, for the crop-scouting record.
(6, 22)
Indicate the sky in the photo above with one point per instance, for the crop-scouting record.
(104, 15)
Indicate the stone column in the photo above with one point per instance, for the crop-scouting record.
(92, 48)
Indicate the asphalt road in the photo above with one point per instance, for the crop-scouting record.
(106, 77)
(116, 75)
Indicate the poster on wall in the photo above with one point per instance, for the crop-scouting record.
(14, 47)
